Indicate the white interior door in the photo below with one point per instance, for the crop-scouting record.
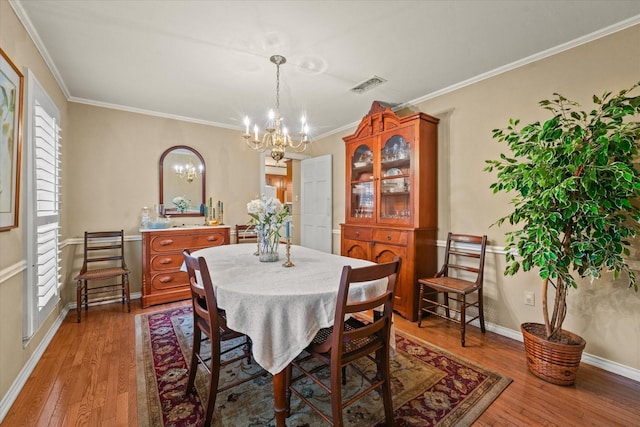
(316, 203)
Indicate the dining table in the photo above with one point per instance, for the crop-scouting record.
(280, 308)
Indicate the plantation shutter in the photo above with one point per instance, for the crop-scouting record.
(43, 206)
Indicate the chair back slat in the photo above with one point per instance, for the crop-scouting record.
(465, 252)
(103, 249)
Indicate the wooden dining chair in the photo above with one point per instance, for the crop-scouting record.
(209, 320)
(103, 261)
(337, 348)
(461, 275)
(246, 234)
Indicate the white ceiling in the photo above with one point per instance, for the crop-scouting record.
(208, 61)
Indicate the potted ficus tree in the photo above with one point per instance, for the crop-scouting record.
(575, 187)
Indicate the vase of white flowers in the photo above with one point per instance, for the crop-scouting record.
(267, 217)
(182, 203)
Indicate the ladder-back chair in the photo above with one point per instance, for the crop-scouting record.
(211, 321)
(103, 260)
(349, 340)
(461, 275)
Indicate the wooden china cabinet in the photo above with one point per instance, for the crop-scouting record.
(391, 197)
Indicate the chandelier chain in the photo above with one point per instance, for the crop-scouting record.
(278, 88)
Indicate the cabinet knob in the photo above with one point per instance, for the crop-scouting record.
(212, 238)
(166, 242)
(165, 261)
(388, 236)
(166, 279)
(357, 234)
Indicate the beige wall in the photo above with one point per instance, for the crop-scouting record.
(604, 313)
(20, 49)
(113, 171)
(110, 171)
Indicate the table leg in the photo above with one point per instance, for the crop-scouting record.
(279, 397)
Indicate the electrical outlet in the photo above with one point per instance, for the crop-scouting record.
(529, 298)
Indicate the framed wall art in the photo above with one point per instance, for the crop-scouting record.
(11, 93)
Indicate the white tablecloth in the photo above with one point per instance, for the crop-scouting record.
(280, 309)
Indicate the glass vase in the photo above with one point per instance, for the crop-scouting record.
(268, 247)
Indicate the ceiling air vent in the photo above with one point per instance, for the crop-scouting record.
(368, 84)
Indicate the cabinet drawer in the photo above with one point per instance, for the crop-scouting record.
(166, 261)
(390, 236)
(358, 233)
(169, 280)
(178, 242)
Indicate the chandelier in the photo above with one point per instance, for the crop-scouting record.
(187, 171)
(276, 136)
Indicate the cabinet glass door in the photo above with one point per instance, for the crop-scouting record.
(362, 189)
(395, 180)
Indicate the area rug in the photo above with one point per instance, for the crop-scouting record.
(431, 387)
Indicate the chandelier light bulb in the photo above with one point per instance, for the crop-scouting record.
(246, 124)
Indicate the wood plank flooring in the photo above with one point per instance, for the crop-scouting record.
(87, 377)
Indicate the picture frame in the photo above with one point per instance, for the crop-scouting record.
(11, 100)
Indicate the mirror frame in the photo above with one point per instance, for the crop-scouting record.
(204, 180)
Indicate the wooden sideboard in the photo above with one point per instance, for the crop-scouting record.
(162, 279)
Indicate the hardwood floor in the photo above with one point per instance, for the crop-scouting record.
(87, 376)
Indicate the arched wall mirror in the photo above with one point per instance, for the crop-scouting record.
(182, 174)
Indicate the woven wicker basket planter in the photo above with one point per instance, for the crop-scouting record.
(553, 362)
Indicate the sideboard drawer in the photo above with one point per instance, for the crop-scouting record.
(178, 242)
(171, 261)
(390, 236)
(358, 233)
(169, 280)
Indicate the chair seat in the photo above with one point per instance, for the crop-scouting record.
(103, 273)
(350, 345)
(450, 284)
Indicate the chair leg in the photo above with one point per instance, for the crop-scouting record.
(481, 310)
(336, 394)
(249, 349)
(126, 292)
(420, 305)
(288, 376)
(79, 300)
(86, 295)
(463, 317)
(382, 358)
(446, 303)
(193, 366)
(213, 385)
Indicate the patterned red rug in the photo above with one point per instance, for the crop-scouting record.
(431, 387)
